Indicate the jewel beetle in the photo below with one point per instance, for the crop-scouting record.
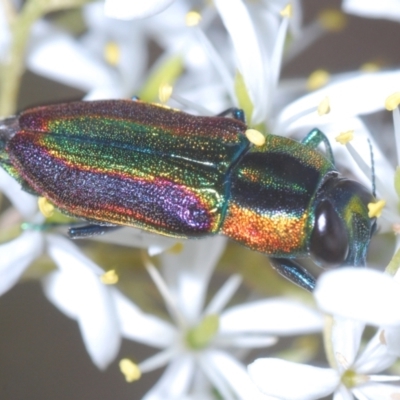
(131, 163)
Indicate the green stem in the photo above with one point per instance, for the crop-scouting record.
(12, 71)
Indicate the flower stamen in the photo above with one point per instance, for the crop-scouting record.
(45, 207)
(193, 18)
(169, 299)
(392, 101)
(324, 106)
(375, 209)
(110, 277)
(287, 11)
(255, 137)
(164, 92)
(112, 53)
(130, 370)
(318, 79)
(345, 137)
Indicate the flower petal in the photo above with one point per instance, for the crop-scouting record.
(57, 287)
(25, 203)
(342, 393)
(125, 37)
(63, 59)
(128, 9)
(15, 257)
(275, 316)
(223, 295)
(245, 341)
(196, 263)
(377, 355)
(348, 97)
(346, 337)
(392, 340)
(68, 257)
(248, 52)
(175, 381)
(389, 9)
(347, 292)
(78, 291)
(378, 391)
(139, 326)
(291, 381)
(234, 374)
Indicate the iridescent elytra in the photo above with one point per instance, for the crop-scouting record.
(131, 163)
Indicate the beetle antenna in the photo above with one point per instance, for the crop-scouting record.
(371, 153)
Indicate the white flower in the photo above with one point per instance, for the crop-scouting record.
(108, 61)
(195, 345)
(77, 290)
(130, 9)
(346, 293)
(77, 282)
(25, 203)
(16, 256)
(355, 301)
(389, 9)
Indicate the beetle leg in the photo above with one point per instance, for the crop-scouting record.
(294, 272)
(237, 113)
(314, 138)
(86, 231)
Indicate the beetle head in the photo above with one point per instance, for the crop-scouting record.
(342, 228)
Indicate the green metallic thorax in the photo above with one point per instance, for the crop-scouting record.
(271, 207)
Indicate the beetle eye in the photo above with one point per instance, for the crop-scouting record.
(329, 239)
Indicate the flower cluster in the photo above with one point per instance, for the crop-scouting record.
(206, 57)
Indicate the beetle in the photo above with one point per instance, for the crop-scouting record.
(131, 163)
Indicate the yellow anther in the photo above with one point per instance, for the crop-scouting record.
(392, 101)
(332, 20)
(255, 137)
(375, 209)
(317, 79)
(177, 248)
(193, 18)
(370, 67)
(345, 137)
(45, 207)
(324, 106)
(130, 370)
(112, 53)
(164, 92)
(110, 277)
(287, 11)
